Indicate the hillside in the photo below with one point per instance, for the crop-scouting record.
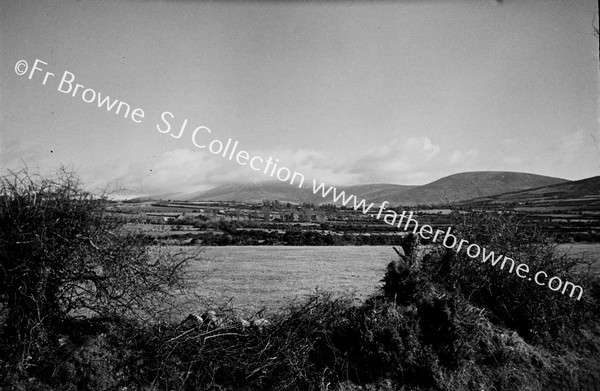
(252, 192)
(468, 185)
(453, 188)
(584, 192)
(283, 192)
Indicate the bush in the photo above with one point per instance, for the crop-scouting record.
(534, 311)
(61, 254)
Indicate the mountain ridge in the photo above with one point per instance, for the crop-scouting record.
(452, 188)
(584, 191)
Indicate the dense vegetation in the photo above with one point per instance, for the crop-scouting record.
(343, 227)
(290, 237)
(442, 321)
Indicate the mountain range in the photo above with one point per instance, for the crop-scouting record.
(480, 185)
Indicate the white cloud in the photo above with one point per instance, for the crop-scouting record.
(415, 160)
(393, 160)
(184, 170)
(463, 159)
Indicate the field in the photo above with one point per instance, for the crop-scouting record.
(591, 250)
(257, 277)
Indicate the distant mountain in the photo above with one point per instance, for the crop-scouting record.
(468, 185)
(252, 192)
(584, 192)
(283, 192)
(377, 192)
(453, 188)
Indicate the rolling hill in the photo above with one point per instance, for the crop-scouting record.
(283, 192)
(572, 194)
(453, 188)
(468, 185)
(252, 192)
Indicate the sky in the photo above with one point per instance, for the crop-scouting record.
(343, 92)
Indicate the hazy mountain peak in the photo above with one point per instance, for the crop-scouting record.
(452, 188)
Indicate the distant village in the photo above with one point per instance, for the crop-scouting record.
(165, 212)
(272, 222)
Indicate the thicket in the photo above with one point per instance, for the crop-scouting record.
(535, 312)
(441, 321)
(62, 257)
(291, 237)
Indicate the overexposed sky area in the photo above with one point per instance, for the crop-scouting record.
(345, 92)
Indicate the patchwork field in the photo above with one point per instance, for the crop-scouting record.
(257, 277)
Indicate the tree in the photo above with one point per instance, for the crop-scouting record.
(63, 254)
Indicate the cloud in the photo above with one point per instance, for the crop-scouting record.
(463, 159)
(415, 160)
(179, 170)
(396, 159)
(184, 170)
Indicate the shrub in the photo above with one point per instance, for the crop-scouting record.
(534, 311)
(61, 254)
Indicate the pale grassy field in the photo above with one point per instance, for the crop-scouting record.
(591, 250)
(256, 277)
